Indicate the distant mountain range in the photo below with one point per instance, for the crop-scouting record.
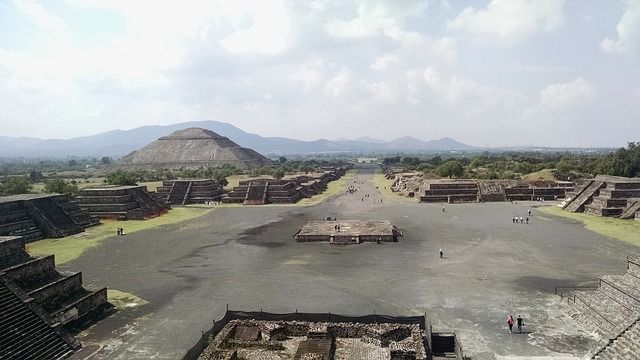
(118, 143)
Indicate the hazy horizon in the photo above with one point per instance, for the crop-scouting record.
(486, 73)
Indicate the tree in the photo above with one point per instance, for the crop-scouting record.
(35, 176)
(16, 185)
(451, 168)
(121, 177)
(282, 159)
(105, 160)
(278, 173)
(60, 186)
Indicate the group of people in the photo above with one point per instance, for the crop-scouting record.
(519, 323)
(120, 231)
(520, 219)
(351, 189)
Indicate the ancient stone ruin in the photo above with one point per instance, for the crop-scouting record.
(193, 148)
(264, 191)
(120, 202)
(613, 311)
(345, 232)
(625, 345)
(457, 191)
(182, 192)
(606, 196)
(36, 216)
(36, 300)
(451, 192)
(242, 335)
(25, 331)
(284, 191)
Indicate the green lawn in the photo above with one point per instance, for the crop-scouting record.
(122, 300)
(542, 175)
(625, 230)
(333, 188)
(71, 247)
(384, 186)
(151, 185)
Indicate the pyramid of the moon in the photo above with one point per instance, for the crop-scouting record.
(192, 148)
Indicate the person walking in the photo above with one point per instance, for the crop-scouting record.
(520, 323)
(529, 212)
(441, 254)
(510, 323)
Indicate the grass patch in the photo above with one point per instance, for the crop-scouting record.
(384, 186)
(71, 247)
(619, 229)
(123, 300)
(333, 188)
(234, 180)
(542, 175)
(151, 185)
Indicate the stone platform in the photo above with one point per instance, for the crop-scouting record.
(120, 202)
(244, 335)
(36, 216)
(61, 295)
(612, 196)
(348, 231)
(194, 191)
(37, 300)
(288, 190)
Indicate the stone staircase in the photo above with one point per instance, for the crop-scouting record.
(62, 296)
(624, 346)
(178, 192)
(256, 193)
(633, 208)
(52, 218)
(583, 197)
(25, 334)
(613, 306)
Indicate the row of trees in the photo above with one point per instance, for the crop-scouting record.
(567, 166)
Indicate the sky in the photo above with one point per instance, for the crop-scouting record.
(487, 73)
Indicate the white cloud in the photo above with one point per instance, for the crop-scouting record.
(384, 92)
(565, 95)
(338, 84)
(374, 17)
(268, 32)
(455, 90)
(384, 61)
(511, 20)
(628, 30)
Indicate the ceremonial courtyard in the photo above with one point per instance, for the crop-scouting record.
(185, 275)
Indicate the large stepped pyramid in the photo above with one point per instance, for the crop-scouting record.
(60, 295)
(193, 148)
(613, 306)
(36, 216)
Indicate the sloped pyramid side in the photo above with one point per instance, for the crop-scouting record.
(194, 147)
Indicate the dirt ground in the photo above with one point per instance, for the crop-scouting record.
(246, 258)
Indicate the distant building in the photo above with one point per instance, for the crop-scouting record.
(367, 160)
